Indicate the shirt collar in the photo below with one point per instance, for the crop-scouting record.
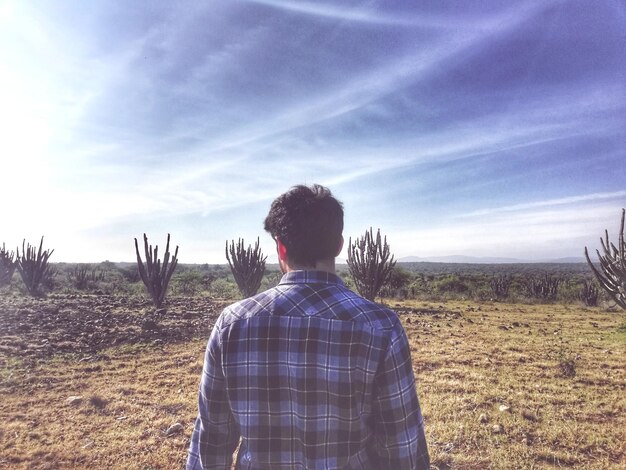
(310, 277)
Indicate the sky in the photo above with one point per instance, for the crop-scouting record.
(491, 128)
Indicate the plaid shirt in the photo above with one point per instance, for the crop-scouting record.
(310, 376)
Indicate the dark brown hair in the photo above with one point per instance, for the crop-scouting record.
(308, 221)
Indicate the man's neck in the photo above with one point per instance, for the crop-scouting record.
(322, 265)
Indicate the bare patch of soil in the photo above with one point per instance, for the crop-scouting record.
(86, 324)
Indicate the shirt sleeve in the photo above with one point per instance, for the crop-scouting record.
(215, 433)
(398, 422)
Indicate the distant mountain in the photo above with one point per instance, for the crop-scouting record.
(568, 259)
(484, 260)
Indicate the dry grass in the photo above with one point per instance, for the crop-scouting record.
(469, 359)
(522, 357)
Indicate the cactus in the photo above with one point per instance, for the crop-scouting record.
(247, 266)
(156, 276)
(78, 276)
(500, 286)
(34, 268)
(589, 293)
(7, 266)
(369, 263)
(545, 287)
(84, 274)
(612, 277)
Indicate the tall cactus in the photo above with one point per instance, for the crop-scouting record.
(612, 273)
(34, 268)
(156, 276)
(588, 294)
(545, 287)
(500, 286)
(247, 266)
(7, 266)
(370, 263)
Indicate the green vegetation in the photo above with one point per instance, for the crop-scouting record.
(417, 281)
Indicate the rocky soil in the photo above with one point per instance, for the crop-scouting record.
(86, 324)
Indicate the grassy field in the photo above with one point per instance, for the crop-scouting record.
(502, 386)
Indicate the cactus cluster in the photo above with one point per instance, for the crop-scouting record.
(154, 274)
(612, 273)
(500, 286)
(247, 266)
(545, 287)
(7, 266)
(84, 274)
(33, 266)
(589, 293)
(370, 263)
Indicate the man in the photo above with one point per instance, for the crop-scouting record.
(308, 374)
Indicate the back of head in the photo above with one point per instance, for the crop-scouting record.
(309, 222)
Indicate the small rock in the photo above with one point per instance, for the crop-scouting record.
(483, 418)
(497, 429)
(149, 325)
(529, 415)
(504, 408)
(74, 400)
(173, 429)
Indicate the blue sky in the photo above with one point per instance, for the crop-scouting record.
(491, 128)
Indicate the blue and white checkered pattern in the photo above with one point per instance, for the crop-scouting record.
(310, 376)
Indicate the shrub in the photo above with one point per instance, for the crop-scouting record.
(223, 289)
(398, 284)
(130, 274)
(188, 282)
(451, 284)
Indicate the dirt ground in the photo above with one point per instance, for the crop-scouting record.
(95, 382)
(86, 324)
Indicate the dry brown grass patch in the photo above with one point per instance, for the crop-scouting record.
(470, 359)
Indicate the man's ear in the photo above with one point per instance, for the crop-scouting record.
(282, 250)
(340, 247)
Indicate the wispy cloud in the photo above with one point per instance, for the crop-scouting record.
(368, 16)
(198, 115)
(619, 195)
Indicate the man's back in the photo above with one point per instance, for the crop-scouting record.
(310, 375)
